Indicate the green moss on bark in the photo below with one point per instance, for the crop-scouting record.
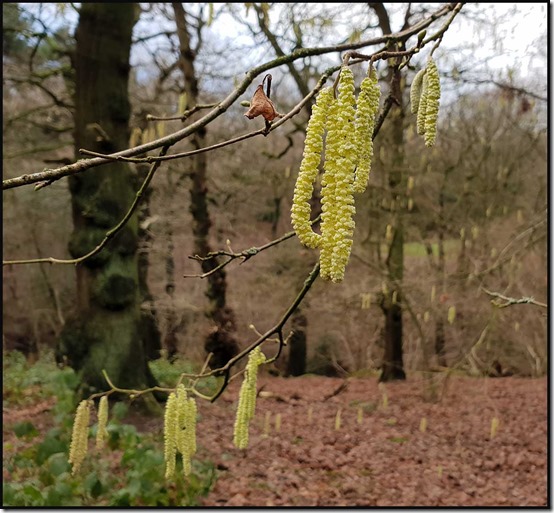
(85, 240)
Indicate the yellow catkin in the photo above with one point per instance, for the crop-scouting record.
(313, 147)
(247, 399)
(136, 137)
(433, 101)
(79, 436)
(340, 163)
(451, 314)
(422, 109)
(338, 419)
(186, 428)
(416, 89)
(170, 434)
(368, 106)
(328, 186)
(180, 419)
(278, 422)
(102, 432)
(494, 426)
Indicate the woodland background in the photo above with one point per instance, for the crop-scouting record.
(474, 207)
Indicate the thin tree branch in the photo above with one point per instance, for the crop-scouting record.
(509, 301)
(109, 235)
(50, 175)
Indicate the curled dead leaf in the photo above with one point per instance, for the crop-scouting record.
(261, 105)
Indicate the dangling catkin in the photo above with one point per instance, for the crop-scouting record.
(186, 428)
(79, 436)
(102, 432)
(170, 434)
(337, 194)
(422, 109)
(313, 147)
(433, 100)
(247, 398)
(415, 90)
(368, 106)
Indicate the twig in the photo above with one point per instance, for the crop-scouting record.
(183, 117)
(109, 235)
(262, 131)
(509, 301)
(50, 175)
(244, 255)
(226, 369)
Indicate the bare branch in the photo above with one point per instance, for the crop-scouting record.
(50, 175)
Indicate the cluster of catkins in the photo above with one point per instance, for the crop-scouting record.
(348, 131)
(79, 437)
(425, 96)
(247, 398)
(179, 430)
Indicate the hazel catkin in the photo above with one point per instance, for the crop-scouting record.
(433, 101)
(247, 398)
(79, 437)
(415, 90)
(313, 147)
(102, 433)
(368, 106)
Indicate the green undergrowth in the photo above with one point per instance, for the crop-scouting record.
(167, 374)
(129, 471)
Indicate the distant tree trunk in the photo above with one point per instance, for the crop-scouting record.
(149, 324)
(393, 365)
(170, 340)
(296, 365)
(220, 341)
(440, 343)
(108, 331)
(440, 337)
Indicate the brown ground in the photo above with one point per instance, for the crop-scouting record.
(387, 460)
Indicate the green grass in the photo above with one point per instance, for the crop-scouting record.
(417, 249)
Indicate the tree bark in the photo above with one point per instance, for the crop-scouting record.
(107, 332)
(296, 365)
(393, 366)
(220, 341)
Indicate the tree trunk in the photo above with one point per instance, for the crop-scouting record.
(393, 366)
(296, 365)
(220, 341)
(107, 332)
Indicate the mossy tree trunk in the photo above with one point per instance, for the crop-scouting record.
(107, 332)
(220, 341)
(391, 304)
(149, 322)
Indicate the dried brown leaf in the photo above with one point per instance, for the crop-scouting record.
(261, 105)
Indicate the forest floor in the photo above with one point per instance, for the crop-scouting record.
(392, 447)
(390, 458)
